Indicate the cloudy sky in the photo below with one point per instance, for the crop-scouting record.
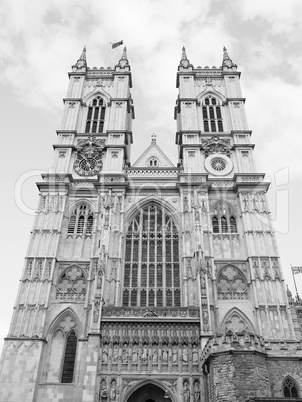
(40, 40)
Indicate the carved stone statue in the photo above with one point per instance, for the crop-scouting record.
(145, 354)
(196, 392)
(174, 354)
(155, 355)
(103, 390)
(134, 354)
(105, 356)
(113, 391)
(125, 356)
(185, 356)
(195, 355)
(165, 354)
(186, 392)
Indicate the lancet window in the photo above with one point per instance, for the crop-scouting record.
(69, 358)
(223, 219)
(211, 114)
(290, 388)
(95, 116)
(60, 363)
(153, 162)
(151, 270)
(81, 221)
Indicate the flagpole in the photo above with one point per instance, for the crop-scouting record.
(108, 53)
(294, 282)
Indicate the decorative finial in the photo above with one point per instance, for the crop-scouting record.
(184, 61)
(183, 54)
(225, 54)
(153, 138)
(123, 62)
(226, 60)
(124, 55)
(81, 61)
(83, 55)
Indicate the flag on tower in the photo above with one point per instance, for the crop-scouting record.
(296, 270)
(116, 44)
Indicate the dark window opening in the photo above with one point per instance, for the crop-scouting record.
(69, 358)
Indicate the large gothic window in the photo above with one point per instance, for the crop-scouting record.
(211, 114)
(290, 388)
(151, 270)
(95, 116)
(81, 221)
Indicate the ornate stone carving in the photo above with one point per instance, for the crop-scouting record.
(216, 145)
(72, 284)
(231, 284)
(89, 156)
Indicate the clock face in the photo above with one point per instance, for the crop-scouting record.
(88, 165)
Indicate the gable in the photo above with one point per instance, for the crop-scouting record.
(153, 157)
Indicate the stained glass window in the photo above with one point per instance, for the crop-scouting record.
(151, 267)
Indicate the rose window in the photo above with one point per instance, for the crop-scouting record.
(72, 285)
(218, 164)
(231, 284)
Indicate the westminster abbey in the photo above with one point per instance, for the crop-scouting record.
(147, 281)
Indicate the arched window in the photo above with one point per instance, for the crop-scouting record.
(204, 112)
(153, 162)
(60, 359)
(81, 221)
(151, 268)
(72, 223)
(69, 358)
(290, 388)
(95, 116)
(206, 126)
(89, 224)
(233, 224)
(215, 224)
(223, 220)
(224, 224)
(211, 110)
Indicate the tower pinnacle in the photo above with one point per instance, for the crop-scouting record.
(124, 60)
(82, 60)
(226, 60)
(183, 54)
(184, 61)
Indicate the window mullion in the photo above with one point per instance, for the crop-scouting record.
(148, 257)
(139, 263)
(77, 222)
(164, 258)
(155, 258)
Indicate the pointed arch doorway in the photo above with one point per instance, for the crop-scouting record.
(148, 393)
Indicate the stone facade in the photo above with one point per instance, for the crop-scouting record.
(150, 281)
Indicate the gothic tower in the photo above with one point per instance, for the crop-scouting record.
(152, 281)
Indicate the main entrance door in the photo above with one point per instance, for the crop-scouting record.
(147, 393)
